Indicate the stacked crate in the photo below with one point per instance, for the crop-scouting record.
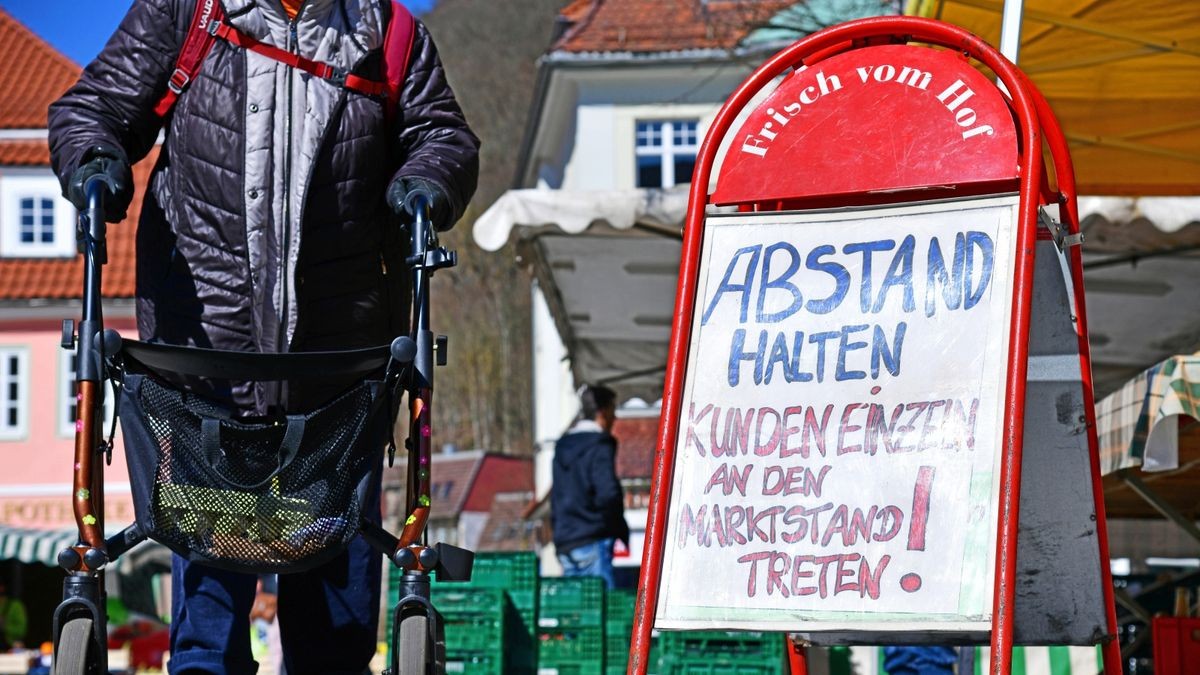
(618, 630)
(478, 623)
(571, 626)
(516, 574)
(721, 653)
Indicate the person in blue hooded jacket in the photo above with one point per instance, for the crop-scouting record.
(587, 505)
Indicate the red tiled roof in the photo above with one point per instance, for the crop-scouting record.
(451, 479)
(577, 10)
(648, 26)
(61, 278)
(500, 473)
(636, 438)
(24, 153)
(33, 75)
(506, 528)
(464, 481)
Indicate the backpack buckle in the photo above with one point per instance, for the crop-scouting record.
(178, 81)
(337, 76)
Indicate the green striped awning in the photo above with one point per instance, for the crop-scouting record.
(1025, 661)
(34, 546)
(1047, 660)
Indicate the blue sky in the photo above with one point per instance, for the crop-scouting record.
(79, 29)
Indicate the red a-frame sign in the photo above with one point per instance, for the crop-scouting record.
(879, 340)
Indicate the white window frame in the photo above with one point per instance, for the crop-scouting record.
(17, 184)
(668, 148)
(67, 396)
(8, 404)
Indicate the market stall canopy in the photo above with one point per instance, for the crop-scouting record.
(1123, 77)
(607, 263)
(29, 545)
(1150, 441)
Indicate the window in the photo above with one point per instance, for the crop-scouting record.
(14, 392)
(35, 221)
(666, 152)
(68, 401)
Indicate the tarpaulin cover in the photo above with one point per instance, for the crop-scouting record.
(1120, 75)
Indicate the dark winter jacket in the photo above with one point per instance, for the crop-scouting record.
(586, 500)
(265, 226)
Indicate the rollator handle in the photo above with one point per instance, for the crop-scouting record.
(108, 342)
(404, 349)
(418, 201)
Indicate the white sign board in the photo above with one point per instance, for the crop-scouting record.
(837, 462)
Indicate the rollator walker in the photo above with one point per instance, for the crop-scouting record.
(273, 494)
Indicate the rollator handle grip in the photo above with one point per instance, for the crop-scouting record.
(404, 349)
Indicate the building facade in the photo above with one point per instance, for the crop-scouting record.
(623, 100)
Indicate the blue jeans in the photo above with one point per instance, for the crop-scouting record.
(328, 616)
(930, 660)
(590, 560)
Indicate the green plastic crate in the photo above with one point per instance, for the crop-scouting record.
(572, 669)
(469, 601)
(517, 574)
(572, 645)
(616, 662)
(478, 663)
(701, 667)
(720, 653)
(709, 644)
(514, 571)
(571, 602)
(476, 620)
(618, 628)
(478, 625)
(616, 645)
(619, 606)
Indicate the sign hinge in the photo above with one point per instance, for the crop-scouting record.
(1062, 240)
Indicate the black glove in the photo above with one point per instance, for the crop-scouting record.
(402, 193)
(114, 169)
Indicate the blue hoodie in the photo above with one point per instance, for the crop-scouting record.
(586, 500)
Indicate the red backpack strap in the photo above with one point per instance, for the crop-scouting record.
(333, 74)
(196, 46)
(397, 50)
(207, 26)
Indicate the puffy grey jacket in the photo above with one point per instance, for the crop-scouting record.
(265, 226)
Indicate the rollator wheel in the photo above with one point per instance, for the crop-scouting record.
(74, 645)
(413, 650)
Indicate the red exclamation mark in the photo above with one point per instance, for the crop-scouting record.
(918, 518)
(920, 509)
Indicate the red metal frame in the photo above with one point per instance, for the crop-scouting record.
(1031, 113)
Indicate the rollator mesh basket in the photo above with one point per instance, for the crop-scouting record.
(251, 495)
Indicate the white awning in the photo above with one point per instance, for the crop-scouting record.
(1168, 214)
(574, 212)
(607, 263)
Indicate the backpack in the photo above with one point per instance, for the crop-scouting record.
(208, 25)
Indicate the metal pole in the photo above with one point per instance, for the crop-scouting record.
(1010, 29)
